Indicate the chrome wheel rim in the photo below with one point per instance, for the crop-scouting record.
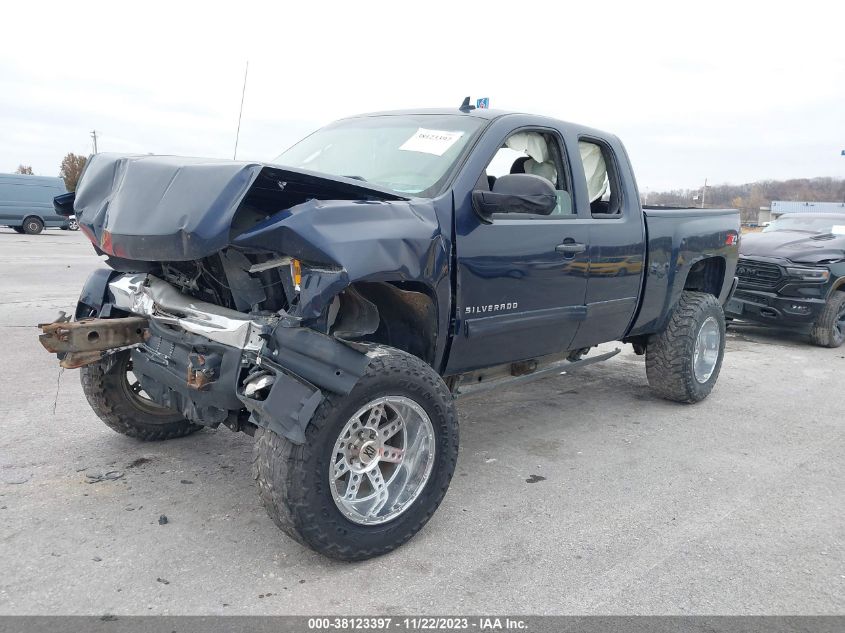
(706, 353)
(382, 460)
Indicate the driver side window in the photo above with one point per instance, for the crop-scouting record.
(530, 152)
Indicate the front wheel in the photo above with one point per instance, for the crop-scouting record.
(32, 226)
(683, 362)
(117, 397)
(829, 328)
(375, 464)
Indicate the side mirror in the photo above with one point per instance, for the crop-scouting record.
(63, 204)
(515, 193)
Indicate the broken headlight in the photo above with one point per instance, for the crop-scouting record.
(296, 274)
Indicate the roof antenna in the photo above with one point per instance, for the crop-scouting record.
(240, 113)
(465, 106)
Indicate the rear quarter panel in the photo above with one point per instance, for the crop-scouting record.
(678, 239)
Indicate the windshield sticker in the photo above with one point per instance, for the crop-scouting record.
(838, 229)
(435, 142)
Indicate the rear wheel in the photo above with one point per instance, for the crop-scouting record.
(33, 225)
(683, 362)
(116, 396)
(375, 464)
(829, 328)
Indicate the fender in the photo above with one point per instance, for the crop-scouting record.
(839, 284)
(671, 254)
(95, 294)
(342, 242)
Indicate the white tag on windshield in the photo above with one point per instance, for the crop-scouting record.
(838, 229)
(435, 142)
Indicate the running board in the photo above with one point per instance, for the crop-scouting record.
(560, 367)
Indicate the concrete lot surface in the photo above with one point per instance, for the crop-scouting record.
(732, 506)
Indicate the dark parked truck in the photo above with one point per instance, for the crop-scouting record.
(792, 275)
(334, 303)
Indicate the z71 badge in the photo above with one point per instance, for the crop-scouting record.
(495, 307)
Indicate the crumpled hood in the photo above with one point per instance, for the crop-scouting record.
(796, 246)
(169, 208)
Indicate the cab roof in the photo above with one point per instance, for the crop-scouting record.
(488, 115)
(477, 113)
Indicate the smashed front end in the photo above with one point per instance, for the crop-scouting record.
(239, 288)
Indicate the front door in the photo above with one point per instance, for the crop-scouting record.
(521, 279)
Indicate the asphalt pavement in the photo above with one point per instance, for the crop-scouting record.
(583, 494)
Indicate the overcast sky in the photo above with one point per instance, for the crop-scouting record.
(733, 92)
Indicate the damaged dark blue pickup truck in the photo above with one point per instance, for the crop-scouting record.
(335, 302)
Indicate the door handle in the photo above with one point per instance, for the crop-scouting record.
(570, 248)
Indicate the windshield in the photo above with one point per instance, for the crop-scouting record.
(409, 154)
(833, 224)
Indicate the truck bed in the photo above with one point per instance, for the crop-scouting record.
(685, 212)
(677, 238)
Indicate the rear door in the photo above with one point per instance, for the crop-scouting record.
(607, 195)
(521, 279)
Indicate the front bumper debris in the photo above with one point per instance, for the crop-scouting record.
(212, 364)
(82, 342)
(151, 297)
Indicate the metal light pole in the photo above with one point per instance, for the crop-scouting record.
(94, 136)
(703, 193)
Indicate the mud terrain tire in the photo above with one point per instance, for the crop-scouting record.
(111, 397)
(295, 481)
(671, 355)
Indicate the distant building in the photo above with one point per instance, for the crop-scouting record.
(779, 207)
(755, 217)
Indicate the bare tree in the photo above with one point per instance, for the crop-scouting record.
(24, 169)
(752, 196)
(71, 169)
